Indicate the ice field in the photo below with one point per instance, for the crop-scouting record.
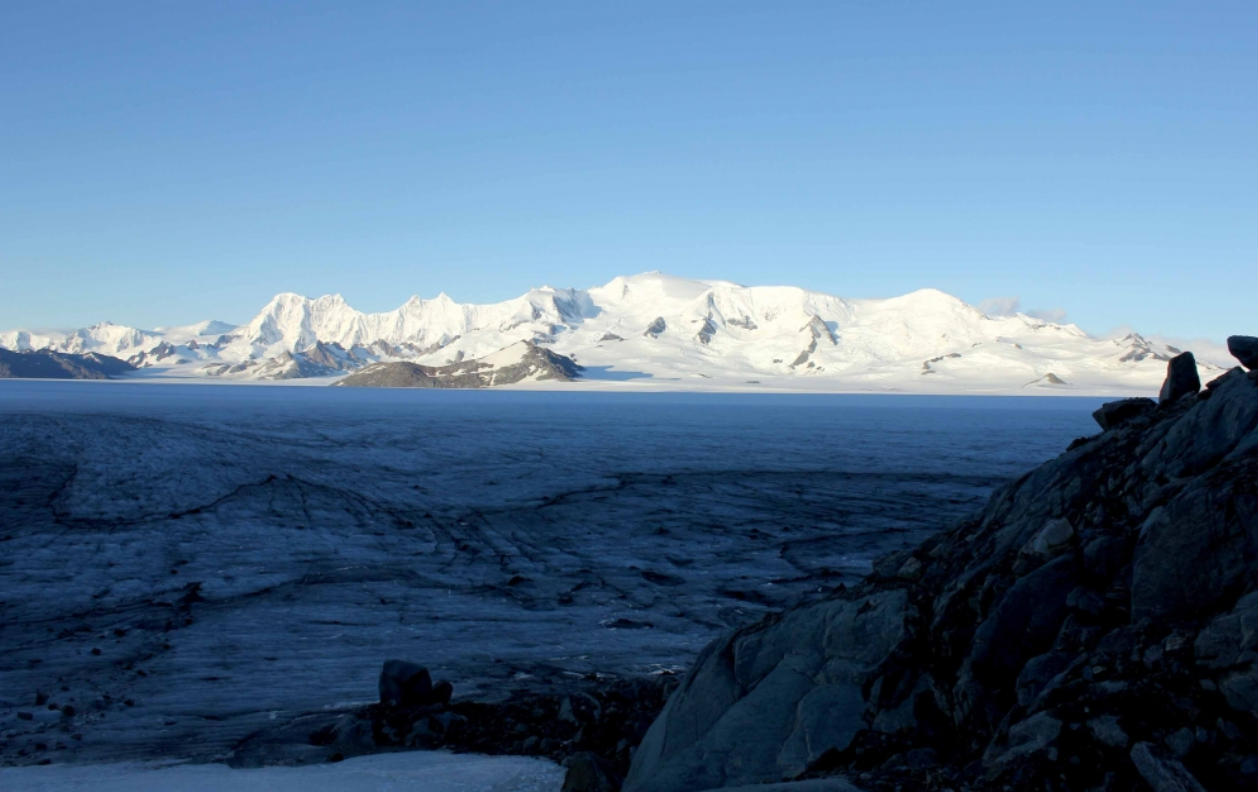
(189, 568)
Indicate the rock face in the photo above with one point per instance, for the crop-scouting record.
(1181, 378)
(46, 364)
(1095, 627)
(523, 362)
(1244, 349)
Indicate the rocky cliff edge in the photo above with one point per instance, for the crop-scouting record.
(1095, 627)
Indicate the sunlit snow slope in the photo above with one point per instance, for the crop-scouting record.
(655, 330)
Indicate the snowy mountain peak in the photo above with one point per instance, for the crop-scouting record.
(655, 328)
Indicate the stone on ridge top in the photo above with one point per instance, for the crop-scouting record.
(1244, 349)
(1114, 413)
(1181, 378)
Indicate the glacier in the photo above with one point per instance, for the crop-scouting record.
(193, 568)
(654, 331)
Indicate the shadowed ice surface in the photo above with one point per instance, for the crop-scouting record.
(188, 566)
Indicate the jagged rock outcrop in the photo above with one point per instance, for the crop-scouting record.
(817, 330)
(1095, 627)
(46, 364)
(163, 352)
(656, 327)
(706, 332)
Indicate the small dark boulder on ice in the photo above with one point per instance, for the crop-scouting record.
(441, 693)
(1244, 349)
(1181, 378)
(1116, 413)
(405, 684)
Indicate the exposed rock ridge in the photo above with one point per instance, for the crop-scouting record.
(47, 364)
(1095, 627)
(534, 363)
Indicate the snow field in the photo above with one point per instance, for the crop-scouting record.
(396, 772)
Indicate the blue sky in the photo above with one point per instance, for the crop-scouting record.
(165, 162)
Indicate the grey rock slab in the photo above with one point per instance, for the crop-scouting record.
(827, 718)
(762, 703)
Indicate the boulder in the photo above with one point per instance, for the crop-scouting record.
(762, 705)
(1116, 413)
(1244, 349)
(1181, 378)
(441, 692)
(405, 684)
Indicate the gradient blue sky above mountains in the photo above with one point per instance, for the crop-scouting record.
(162, 161)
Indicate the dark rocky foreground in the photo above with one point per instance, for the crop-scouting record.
(1095, 627)
(46, 364)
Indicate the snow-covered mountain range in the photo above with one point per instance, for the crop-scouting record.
(656, 330)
